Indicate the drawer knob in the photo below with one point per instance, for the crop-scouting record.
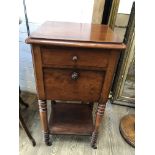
(75, 58)
(75, 76)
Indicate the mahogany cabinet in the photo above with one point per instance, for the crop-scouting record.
(73, 62)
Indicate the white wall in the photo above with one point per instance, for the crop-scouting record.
(60, 10)
(125, 6)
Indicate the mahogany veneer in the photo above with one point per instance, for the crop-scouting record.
(86, 88)
(60, 56)
(73, 62)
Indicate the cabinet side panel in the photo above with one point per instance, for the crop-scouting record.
(37, 64)
(113, 59)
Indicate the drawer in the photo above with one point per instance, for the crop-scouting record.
(83, 57)
(67, 84)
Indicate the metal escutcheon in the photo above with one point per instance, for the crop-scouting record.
(75, 76)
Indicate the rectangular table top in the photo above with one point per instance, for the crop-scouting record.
(83, 32)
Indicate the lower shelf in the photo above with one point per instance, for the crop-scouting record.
(71, 118)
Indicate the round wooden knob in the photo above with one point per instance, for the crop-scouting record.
(75, 58)
(75, 76)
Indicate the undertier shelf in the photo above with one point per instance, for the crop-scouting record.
(71, 118)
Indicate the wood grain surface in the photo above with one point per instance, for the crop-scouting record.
(75, 32)
(63, 56)
(71, 118)
(63, 43)
(127, 128)
(36, 55)
(59, 84)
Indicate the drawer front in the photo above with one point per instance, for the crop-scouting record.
(61, 56)
(66, 84)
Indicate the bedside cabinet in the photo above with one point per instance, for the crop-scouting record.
(73, 62)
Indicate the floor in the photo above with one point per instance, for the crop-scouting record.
(110, 141)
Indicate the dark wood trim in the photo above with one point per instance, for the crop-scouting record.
(75, 44)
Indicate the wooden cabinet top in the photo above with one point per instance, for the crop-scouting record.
(64, 32)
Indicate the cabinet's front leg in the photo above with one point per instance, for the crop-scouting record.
(99, 115)
(44, 121)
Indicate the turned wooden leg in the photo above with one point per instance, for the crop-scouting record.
(99, 114)
(44, 121)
